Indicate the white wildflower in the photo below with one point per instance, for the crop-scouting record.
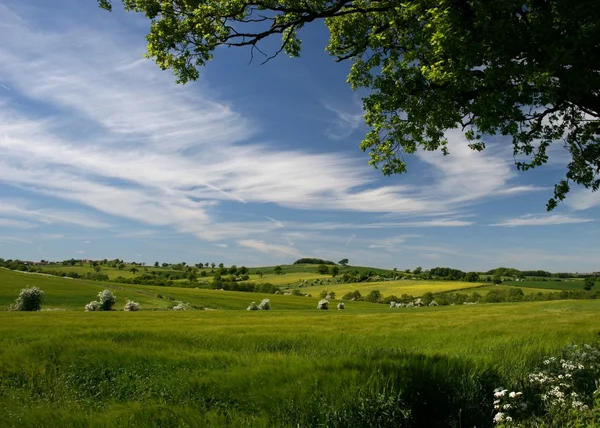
(499, 417)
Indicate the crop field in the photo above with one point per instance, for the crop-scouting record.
(487, 288)
(288, 278)
(397, 288)
(424, 367)
(572, 284)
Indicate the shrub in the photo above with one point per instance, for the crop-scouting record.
(30, 299)
(253, 307)
(265, 305)
(323, 305)
(131, 306)
(93, 306)
(341, 305)
(182, 306)
(107, 299)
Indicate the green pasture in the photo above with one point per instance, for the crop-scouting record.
(487, 288)
(287, 279)
(397, 288)
(424, 367)
(571, 284)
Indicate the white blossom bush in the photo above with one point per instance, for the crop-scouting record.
(252, 307)
(93, 306)
(107, 299)
(433, 303)
(392, 304)
(131, 306)
(30, 299)
(182, 306)
(419, 302)
(323, 305)
(566, 387)
(410, 305)
(265, 305)
(341, 306)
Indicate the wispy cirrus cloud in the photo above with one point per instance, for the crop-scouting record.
(265, 247)
(542, 220)
(344, 123)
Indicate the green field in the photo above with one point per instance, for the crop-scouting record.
(571, 284)
(293, 366)
(487, 288)
(426, 367)
(288, 279)
(397, 288)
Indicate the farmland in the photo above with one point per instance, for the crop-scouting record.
(414, 288)
(280, 368)
(368, 365)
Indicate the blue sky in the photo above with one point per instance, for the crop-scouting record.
(102, 155)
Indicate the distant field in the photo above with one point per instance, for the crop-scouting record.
(572, 284)
(387, 288)
(284, 369)
(73, 294)
(112, 273)
(288, 278)
(484, 290)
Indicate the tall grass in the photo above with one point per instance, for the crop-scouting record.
(434, 367)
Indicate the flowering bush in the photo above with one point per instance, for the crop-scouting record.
(566, 387)
(182, 306)
(323, 305)
(93, 306)
(30, 299)
(253, 307)
(265, 305)
(107, 299)
(131, 306)
(341, 305)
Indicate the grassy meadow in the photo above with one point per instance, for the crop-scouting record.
(397, 288)
(294, 366)
(429, 367)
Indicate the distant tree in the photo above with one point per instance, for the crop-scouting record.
(206, 264)
(212, 265)
(97, 268)
(589, 282)
(121, 266)
(156, 264)
(278, 270)
(497, 279)
(233, 270)
(417, 270)
(373, 297)
(260, 273)
(334, 271)
(472, 277)
(133, 270)
(323, 269)
(343, 262)
(221, 265)
(407, 270)
(243, 270)
(203, 274)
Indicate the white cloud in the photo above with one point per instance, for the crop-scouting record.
(344, 124)
(583, 199)
(221, 245)
(542, 220)
(15, 224)
(125, 141)
(264, 247)
(392, 243)
(49, 215)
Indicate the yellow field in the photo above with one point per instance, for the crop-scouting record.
(398, 288)
(288, 278)
(484, 290)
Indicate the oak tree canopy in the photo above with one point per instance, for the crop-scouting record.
(528, 69)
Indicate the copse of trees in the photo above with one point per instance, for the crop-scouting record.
(312, 261)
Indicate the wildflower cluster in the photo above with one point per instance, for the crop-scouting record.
(567, 386)
(563, 382)
(507, 405)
